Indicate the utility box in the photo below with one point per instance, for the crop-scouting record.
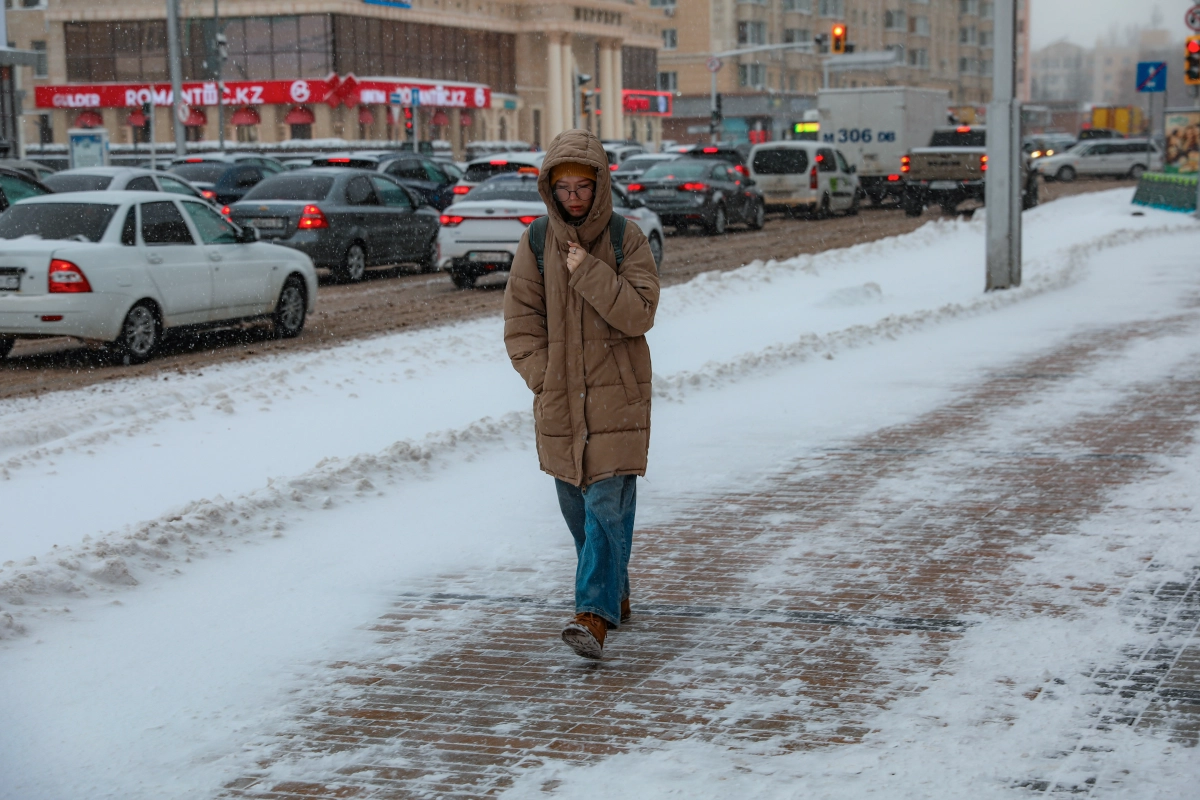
(875, 126)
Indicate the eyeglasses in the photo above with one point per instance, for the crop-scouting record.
(583, 193)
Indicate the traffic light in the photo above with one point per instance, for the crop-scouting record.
(408, 122)
(586, 105)
(837, 39)
(1191, 62)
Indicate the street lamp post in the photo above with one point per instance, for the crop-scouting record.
(176, 74)
(1002, 190)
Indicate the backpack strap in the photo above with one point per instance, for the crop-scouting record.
(537, 241)
(616, 234)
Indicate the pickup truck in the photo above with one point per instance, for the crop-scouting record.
(952, 169)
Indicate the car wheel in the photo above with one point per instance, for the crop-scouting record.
(656, 249)
(717, 226)
(6, 345)
(291, 309)
(1065, 174)
(1030, 198)
(823, 211)
(1136, 172)
(852, 211)
(913, 206)
(354, 264)
(758, 218)
(428, 262)
(140, 335)
(462, 280)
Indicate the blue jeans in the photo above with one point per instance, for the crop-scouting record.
(600, 518)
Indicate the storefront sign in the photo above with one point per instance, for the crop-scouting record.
(333, 90)
(647, 104)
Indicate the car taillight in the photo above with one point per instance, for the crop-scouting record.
(499, 163)
(338, 160)
(208, 194)
(963, 129)
(312, 217)
(528, 220)
(893, 178)
(812, 178)
(983, 163)
(225, 212)
(905, 163)
(693, 187)
(66, 278)
(450, 220)
(194, 160)
(709, 150)
(612, 167)
(741, 168)
(461, 189)
(634, 187)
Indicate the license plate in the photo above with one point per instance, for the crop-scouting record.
(490, 257)
(663, 193)
(273, 223)
(943, 185)
(10, 283)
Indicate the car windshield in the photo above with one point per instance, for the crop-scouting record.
(781, 161)
(201, 171)
(292, 187)
(685, 170)
(634, 164)
(523, 191)
(959, 137)
(477, 173)
(83, 222)
(77, 183)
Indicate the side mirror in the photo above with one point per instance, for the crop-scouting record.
(853, 169)
(636, 202)
(248, 235)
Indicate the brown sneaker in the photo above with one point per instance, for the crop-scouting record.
(585, 635)
(626, 615)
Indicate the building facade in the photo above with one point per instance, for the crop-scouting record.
(945, 44)
(359, 70)
(1062, 71)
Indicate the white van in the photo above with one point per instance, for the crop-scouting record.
(804, 176)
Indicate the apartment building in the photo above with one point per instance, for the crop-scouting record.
(943, 44)
(312, 69)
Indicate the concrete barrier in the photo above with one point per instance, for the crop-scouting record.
(1166, 191)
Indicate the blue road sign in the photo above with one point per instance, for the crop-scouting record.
(1152, 76)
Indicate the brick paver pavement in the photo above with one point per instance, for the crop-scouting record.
(785, 616)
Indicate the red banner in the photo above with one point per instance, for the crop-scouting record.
(333, 90)
(647, 104)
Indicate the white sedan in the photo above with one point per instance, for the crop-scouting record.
(120, 267)
(480, 233)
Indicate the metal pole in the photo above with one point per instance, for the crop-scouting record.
(176, 74)
(220, 69)
(1003, 185)
(712, 111)
(153, 132)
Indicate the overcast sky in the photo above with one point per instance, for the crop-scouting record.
(1083, 21)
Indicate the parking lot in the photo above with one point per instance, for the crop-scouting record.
(393, 299)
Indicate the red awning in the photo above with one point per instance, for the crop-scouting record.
(89, 119)
(299, 115)
(365, 117)
(136, 119)
(196, 118)
(246, 116)
(464, 119)
(440, 118)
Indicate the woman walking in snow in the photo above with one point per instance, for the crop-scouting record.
(581, 295)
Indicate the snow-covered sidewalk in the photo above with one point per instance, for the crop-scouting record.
(898, 537)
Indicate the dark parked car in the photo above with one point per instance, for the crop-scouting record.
(720, 152)
(699, 191)
(17, 185)
(344, 219)
(269, 164)
(222, 182)
(433, 180)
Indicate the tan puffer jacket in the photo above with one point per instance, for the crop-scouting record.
(578, 339)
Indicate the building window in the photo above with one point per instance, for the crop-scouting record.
(831, 8)
(303, 131)
(752, 33)
(801, 6)
(918, 58)
(45, 130)
(668, 81)
(897, 50)
(987, 9)
(670, 38)
(796, 35)
(968, 6)
(985, 38)
(894, 21)
(918, 25)
(662, 3)
(967, 35)
(752, 75)
(41, 69)
(985, 66)
(968, 66)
